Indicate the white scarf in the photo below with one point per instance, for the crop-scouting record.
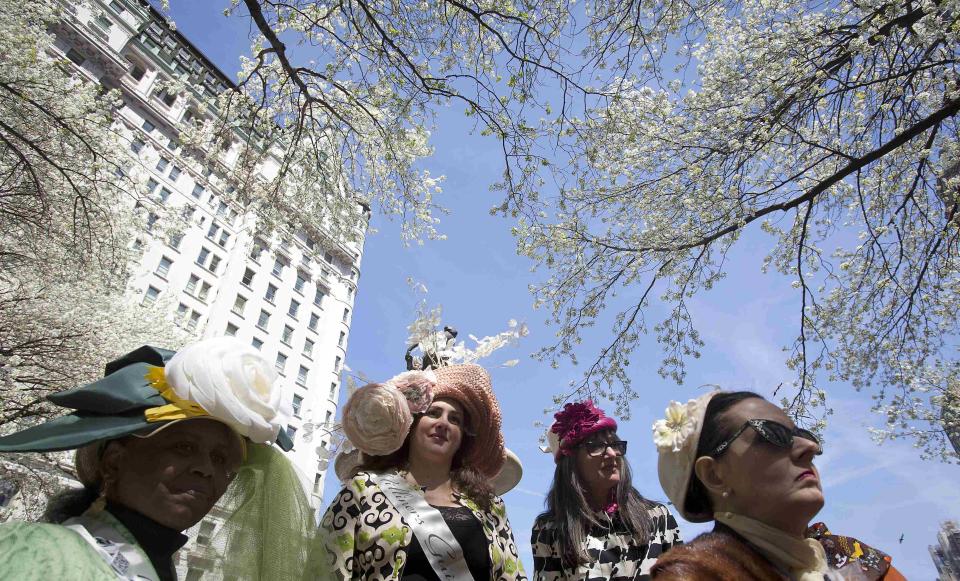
(804, 559)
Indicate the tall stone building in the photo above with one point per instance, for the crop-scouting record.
(946, 553)
(290, 294)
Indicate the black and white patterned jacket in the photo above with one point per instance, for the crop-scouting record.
(614, 554)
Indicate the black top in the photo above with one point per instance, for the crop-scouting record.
(156, 540)
(469, 533)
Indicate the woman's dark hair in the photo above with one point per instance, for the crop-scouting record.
(573, 517)
(69, 503)
(713, 433)
(466, 480)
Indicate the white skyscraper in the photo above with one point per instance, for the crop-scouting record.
(288, 293)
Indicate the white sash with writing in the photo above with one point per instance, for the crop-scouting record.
(126, 560)
(441, 548)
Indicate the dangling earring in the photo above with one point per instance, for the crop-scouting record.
(100, 504)
(725, 494)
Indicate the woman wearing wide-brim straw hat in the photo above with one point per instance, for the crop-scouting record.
(161, 439)
(420, 505)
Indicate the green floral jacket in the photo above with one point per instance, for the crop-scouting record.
(366, 537)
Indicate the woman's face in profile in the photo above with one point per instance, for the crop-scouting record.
(778, 486)
(175, 476)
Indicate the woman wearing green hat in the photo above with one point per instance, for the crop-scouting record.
(160, 440)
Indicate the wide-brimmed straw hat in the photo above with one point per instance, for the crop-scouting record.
(377, 417)
(677, 437)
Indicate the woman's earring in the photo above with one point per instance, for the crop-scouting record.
(100, 504)
(725, 494)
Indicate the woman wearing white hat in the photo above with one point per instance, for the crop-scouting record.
(737, 459)
(420, 505)
(596, 526)
(160, 439)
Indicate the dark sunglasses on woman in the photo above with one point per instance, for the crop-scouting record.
(598, 448)
(772, 432)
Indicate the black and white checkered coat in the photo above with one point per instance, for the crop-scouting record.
(614, 554)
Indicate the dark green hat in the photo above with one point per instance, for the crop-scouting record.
(106, 409)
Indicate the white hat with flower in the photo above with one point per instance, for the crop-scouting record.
(677, 437)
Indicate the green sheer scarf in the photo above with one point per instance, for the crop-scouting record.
(268, 523)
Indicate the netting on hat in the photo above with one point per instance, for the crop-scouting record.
(268, 522)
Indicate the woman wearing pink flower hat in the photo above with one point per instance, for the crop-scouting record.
(596, 526)
(421, 505)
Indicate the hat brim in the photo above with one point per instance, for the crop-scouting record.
(73, 431)
(510, 475)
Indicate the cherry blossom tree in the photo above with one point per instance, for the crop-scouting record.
(831, 127)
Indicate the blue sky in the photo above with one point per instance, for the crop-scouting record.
(873, 493)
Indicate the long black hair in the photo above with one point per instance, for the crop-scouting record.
(573, 517)
(715, 430)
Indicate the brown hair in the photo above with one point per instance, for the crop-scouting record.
(466, 479)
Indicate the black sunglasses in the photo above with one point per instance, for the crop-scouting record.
(597, 448)
(773, 432)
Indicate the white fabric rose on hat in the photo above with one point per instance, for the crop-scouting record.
(674, 432)
(376, 419)
(231, 381)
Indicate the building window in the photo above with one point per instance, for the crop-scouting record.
(308, 348)
(202, 257)
(214, 263)
(162, 163)
(173, 145)
(194, 319)
(318, 298)
(151, 220)
(277, 268)
(164, 267)
(328, 257)
(175, 173)
(297, 403)
(166, 97)
(197, 191)
(256, 250)
(271, 293)
(192, 284)
(231, 330)
(151, 295)
(239, 304)
(281, 363)
(248, 275)
(137, 72)
(175, 239)
(76, 57)
(314, 321)
(301, 281)
(287, 334)
(212, 231)
(346, 315)
(329, 418)
(164, 195)
(333, 390)
(291, 431)
(204, 289)
(152, 185)
(294, 308)
(147, 126)
(257, 343)
(137, 144)
(182, 311)
(224, 238)
(343, 337)
(263, 320)
(302, 374)
(317, 482)
(336, 363)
